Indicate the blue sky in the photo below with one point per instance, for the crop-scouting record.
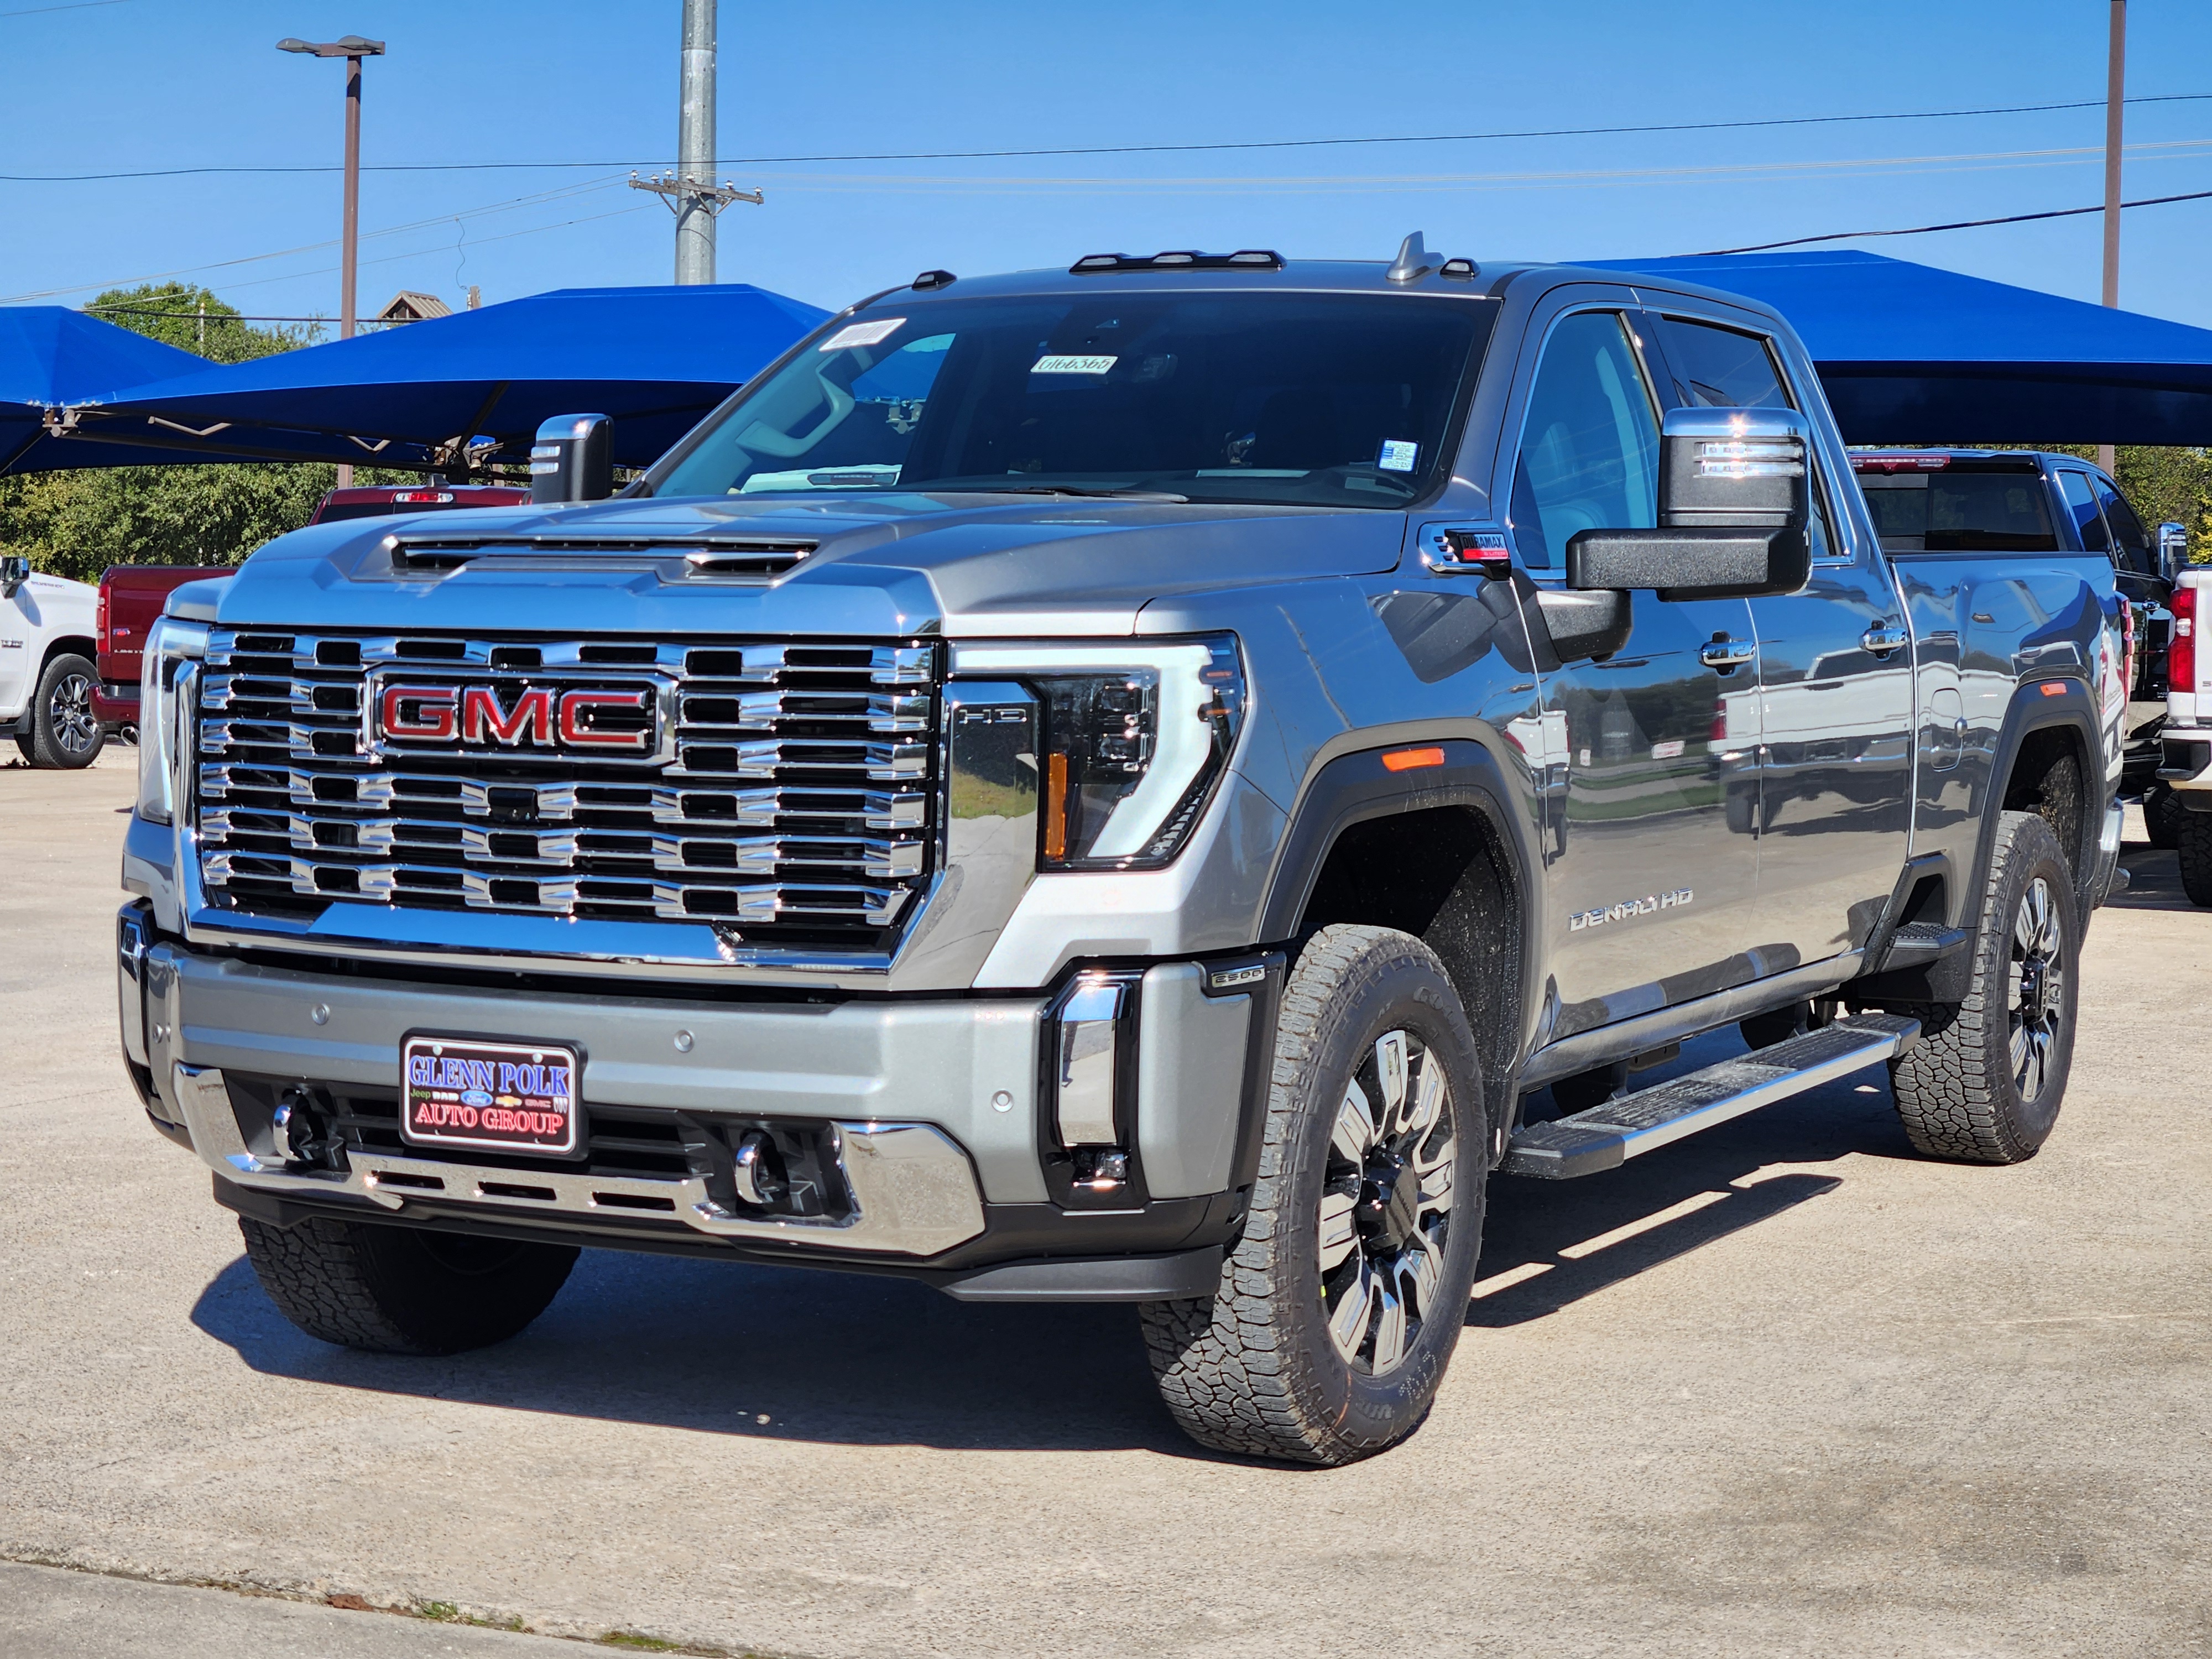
(136, 84)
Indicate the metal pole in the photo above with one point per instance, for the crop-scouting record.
(348, 254)
(2115, 63)
(694, 146)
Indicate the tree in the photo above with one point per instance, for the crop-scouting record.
(77, 524)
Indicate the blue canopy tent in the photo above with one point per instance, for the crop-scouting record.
(1911, 355)
(51, 357)
(654, 359)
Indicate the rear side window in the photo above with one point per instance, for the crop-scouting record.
(1960, 511)
(2075, 486)
(2127, 530)
(1589, 443)
(1723, 368)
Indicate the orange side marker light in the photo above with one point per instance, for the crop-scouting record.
(1405, 760)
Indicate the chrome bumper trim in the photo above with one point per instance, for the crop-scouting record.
(914, 1192)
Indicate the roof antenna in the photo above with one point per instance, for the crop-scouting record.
(1412, 260)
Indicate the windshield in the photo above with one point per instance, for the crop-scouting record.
(1955, 512)
(1331, 400)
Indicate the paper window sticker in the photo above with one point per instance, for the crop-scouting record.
(1398, 455)
(1073, 365)
(863, 334)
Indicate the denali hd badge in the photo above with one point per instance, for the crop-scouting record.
(1649, 904)
(409, 713)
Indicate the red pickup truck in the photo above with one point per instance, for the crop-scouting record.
(131, 595)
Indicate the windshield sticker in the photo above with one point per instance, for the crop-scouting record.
(863, 334)
(1074, 365)
(1398, 455)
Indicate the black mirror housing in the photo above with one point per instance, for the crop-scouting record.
(1584, 625)
(1733, 510)
(572, 459)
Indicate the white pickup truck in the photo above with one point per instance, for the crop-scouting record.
(47, 633)
(2186, 739)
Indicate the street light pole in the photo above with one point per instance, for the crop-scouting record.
(353, 48)
(2115, 75)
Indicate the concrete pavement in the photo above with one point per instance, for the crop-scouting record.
(1782, 1389)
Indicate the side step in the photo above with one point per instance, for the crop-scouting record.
(1605, 1137)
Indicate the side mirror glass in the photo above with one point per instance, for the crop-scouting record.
(2172, 550)
(572, 459)
(15, 571)
(1734, 495)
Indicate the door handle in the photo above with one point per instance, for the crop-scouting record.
(1725, 653)
(1883, 638)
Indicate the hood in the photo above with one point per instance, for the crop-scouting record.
(889, 565)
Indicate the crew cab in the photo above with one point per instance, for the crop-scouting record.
(1152, 781)
(46, 673)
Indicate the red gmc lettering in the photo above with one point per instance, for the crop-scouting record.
(576, 706)
(482, 720)
(424, 712)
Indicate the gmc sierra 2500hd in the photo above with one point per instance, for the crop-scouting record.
(1111, 784)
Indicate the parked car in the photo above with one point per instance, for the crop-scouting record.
(2030, 502)
(131, 595)
(46, 671)
(2186, 742)
(434, 495)
(1177, 758)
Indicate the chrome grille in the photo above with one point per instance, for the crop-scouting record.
(793, 798)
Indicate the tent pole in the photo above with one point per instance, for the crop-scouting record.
(2116, 61)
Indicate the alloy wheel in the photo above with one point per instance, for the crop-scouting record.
(71, 718)
(2035, 993)
(1386, 1204)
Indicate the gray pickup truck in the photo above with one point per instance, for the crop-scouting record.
(1147, 782)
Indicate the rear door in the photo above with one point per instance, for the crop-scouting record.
(1835, 678)
(1651, 877)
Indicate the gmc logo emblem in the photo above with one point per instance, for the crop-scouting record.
(617, 722)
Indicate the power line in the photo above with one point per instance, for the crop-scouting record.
(1958, 224)
(73, 5)
(1129, 150)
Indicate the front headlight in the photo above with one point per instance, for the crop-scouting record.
(170, 643)
(1136, 736)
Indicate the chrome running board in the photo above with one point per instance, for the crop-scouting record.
(1605, 1137)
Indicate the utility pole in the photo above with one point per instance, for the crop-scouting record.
(352, 49)
(690, 189)
(2116, 77)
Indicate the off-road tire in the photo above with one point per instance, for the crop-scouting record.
(1955, 1089)
(63, 733)
(402, 1290)
(2162, 813)
(1253, 1368)
(2192, 847)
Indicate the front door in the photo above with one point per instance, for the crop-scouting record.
(1835, 687)
(17, 633)
(1651, 875)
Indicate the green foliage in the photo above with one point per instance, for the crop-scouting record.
(2162, 485)
(77, 524)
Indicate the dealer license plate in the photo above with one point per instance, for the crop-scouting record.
(507, 1097)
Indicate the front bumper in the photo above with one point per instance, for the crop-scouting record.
(936, 1113)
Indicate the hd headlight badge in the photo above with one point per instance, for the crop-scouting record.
(1135, 737)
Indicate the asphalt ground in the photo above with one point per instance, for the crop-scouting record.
(1784, 1388)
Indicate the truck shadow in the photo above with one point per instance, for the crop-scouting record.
(2154, 880)
(788, 1353)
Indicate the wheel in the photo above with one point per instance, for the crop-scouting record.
(403, 1289)
(1338, 1310)
(2192, 845)
(63, 733)
(2162, 813)
(1984, 1082)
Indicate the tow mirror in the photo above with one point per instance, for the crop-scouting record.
(572, 459)
(1733, 509)
(15, 571)
(2173, 552)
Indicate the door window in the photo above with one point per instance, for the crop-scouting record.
(1589, 443)
(1723, 368)
(2082, 505)
(2127, 530)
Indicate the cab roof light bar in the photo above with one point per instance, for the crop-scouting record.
(1249, 258)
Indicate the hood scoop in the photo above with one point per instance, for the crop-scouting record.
(412, 555)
